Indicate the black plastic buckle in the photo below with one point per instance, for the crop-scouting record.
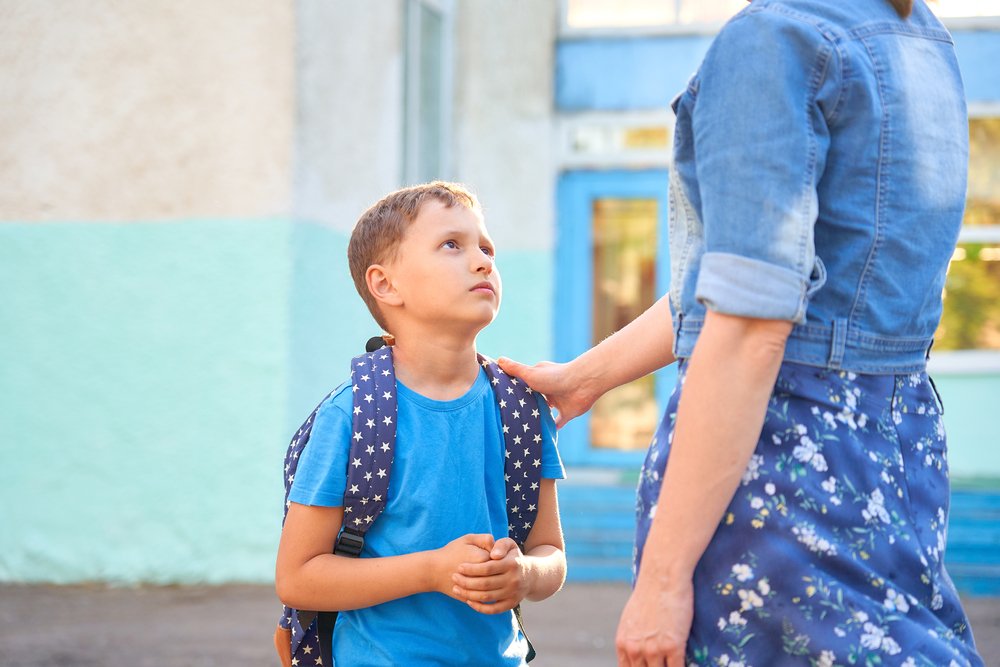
(350, 543)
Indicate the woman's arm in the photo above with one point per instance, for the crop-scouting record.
(729, 381)
(638, 349)
(309, 576)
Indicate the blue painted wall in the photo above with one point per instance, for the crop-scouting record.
(630, 73)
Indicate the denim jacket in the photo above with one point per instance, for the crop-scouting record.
(820, 160)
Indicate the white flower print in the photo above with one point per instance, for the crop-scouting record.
(908, 663)
(851, 398)
(749, 599)
(808, 452)
(890, 646)
(895, 602)
(769, 488)
(830, 485)
(753, 468)
(872, 638)
(876, 508)
(764, 586)
(756, 502)
(875, 638)
(806, 534)
(736, 620)
(742, 572)
(826, 659)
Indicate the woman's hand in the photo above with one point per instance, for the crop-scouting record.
(655, 624)
(566, 395)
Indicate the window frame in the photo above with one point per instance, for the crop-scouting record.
(572, 325)
(973, 361)
(412, 137)
(567, 31)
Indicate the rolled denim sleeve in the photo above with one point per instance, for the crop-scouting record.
(760, 135)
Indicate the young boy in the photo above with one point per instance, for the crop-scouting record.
(438, 577)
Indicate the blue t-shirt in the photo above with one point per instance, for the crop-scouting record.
(447, 481)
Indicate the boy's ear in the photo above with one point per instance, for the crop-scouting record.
(380, 285)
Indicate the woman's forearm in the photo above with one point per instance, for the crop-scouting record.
(644, 345)
(728, 383)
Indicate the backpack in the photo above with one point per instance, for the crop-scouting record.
(304, 637)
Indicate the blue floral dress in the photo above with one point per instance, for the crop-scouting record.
(832, 550)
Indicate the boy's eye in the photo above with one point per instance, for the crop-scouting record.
(487, 251)
(449, 244)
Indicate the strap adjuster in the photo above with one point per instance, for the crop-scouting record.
(350, 543)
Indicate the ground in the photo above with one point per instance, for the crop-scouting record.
(203, 626)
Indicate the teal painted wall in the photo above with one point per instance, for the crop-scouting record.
(972, 425)
(152, 375)
(144, 374)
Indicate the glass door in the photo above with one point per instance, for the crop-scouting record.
(612, 264)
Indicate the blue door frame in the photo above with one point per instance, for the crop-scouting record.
(576, 193)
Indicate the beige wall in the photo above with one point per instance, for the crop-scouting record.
(350, 107)
(503, 130)
(145, 110)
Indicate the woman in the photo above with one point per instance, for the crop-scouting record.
(793, 503)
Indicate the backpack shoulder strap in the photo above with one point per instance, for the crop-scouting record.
(522, 433)
(297, 624)
(373, 441)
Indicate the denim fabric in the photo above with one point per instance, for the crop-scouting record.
(820, 159)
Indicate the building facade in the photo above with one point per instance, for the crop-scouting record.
(177, 186)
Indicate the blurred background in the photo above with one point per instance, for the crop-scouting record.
(178, 181)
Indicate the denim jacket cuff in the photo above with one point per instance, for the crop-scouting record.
(737, 285)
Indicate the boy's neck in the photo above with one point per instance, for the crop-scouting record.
(439, 368)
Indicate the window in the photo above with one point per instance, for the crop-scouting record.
(612, 262)
(964, 8)
(590, 14)
(624, 286)
(647, 13)
(971, 318)
(427, 90)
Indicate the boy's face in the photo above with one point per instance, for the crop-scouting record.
(444, 268)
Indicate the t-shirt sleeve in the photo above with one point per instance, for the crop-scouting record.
(321, 475)
(552, 466)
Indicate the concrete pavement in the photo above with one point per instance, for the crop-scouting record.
(208, 626)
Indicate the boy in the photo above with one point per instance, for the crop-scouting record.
(438, 577)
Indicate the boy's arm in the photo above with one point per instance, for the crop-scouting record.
(510, 576)
(309, 576)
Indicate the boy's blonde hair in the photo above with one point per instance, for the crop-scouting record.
(379, 231)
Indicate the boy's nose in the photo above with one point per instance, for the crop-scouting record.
(484, 263)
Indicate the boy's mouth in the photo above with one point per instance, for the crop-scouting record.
(483, 286)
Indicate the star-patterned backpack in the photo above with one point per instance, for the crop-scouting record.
(303, 637)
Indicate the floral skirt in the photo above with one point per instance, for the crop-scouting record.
(832, 550)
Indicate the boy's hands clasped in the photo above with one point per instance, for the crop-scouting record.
(487, 575)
